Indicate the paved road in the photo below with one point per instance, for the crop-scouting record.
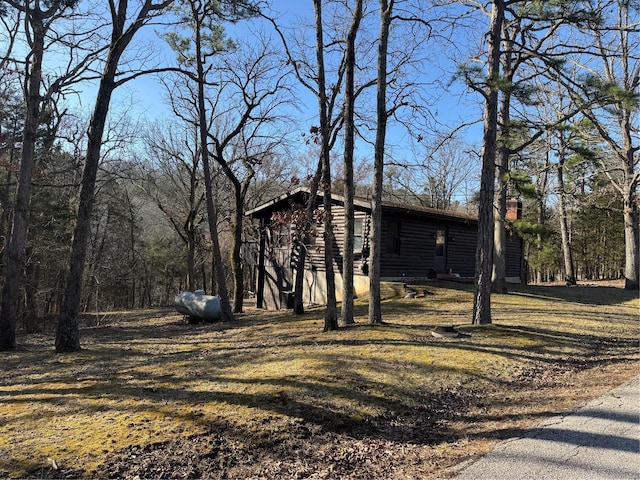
(600, 441)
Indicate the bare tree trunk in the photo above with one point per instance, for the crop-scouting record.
(630, 207)
(15, 257)
(67, 334)
(30, 289)
(570, 276)
(539, 240)
(7, 210)
(236, 260)
(631, 241)
(298, 283)
(484, 249)
(190, 235)
(298, 303)
(218, 280)
(541, 186)
(348, 291)
(498, 282)
(375, 307)
(191, 262)
(331, 313)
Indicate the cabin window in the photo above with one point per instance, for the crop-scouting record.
(441, 240)
(357, 235)
(393, 236)
(440, 252)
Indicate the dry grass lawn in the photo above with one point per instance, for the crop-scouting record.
(271, 396)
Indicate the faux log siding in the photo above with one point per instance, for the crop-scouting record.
(316, 250)
(417, 248)
(513, 256)
(417, 245)
(461, 250)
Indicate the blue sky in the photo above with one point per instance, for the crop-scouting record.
(147, 92)
(143, 98)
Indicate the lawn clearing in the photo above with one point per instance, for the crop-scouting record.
(271, 396)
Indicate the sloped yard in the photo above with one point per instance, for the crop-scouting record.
(271, 396)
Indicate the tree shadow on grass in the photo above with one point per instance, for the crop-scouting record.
(583, 294)
(403, 416)
(156, 366)
(586, 294)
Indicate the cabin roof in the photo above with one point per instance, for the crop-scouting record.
(362, 204)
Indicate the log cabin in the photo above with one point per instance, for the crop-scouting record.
(418, 243)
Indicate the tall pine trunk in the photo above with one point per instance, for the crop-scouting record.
(498, 279)
(499, 273)
(631, 241)
(630, 201)
(484, 249)
(226, 313)
(567, 254)
(375, 307)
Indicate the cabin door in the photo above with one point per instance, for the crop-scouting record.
(440, 252)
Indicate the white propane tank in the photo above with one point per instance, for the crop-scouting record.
(198, 305)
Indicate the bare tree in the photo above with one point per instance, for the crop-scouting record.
(349, 186)
(175, 185)
(11, 129)
(312, 75)
(382, 114)
(253, 86)
(10, 21)
(207, 40)
(442, 175)
(122, 33)
(331, 315)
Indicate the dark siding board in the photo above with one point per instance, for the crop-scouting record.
(416, 249)
(461, 250)
(416, 258)
(513, 256)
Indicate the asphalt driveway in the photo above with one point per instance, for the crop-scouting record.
(599, 441)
